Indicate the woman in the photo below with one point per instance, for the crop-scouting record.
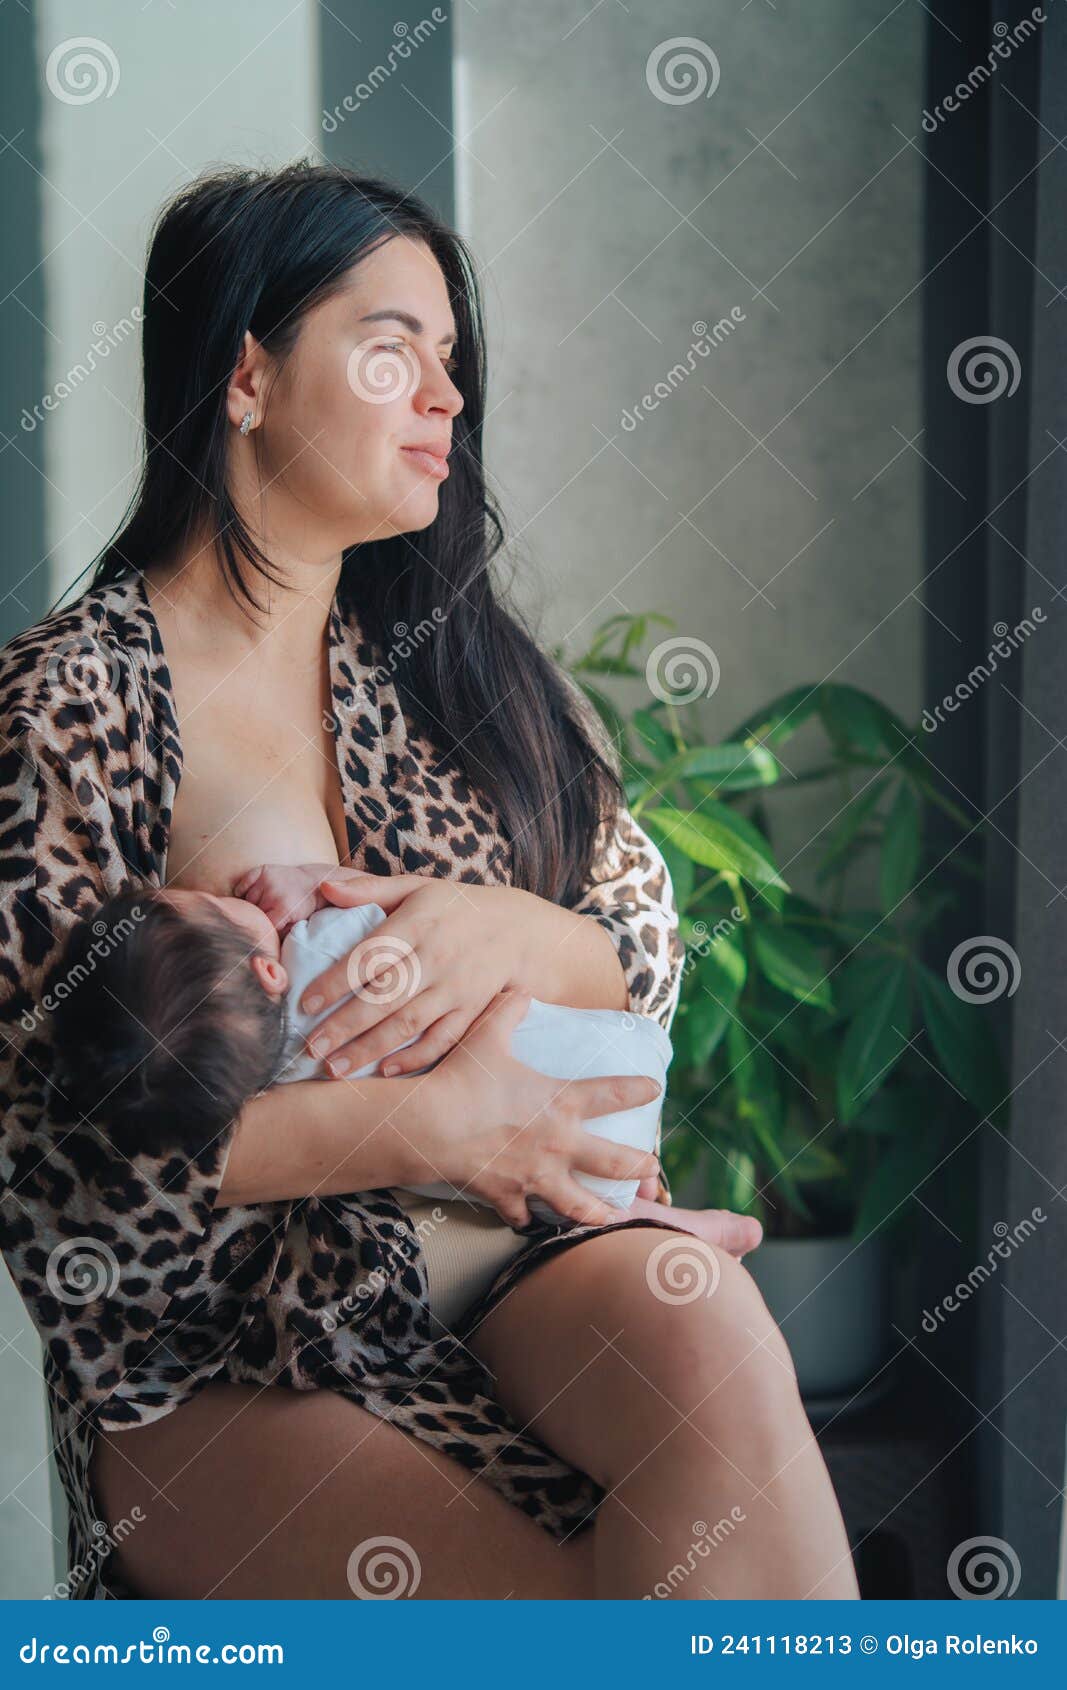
(298, 618)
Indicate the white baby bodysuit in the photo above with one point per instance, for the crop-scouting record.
(568, 1044)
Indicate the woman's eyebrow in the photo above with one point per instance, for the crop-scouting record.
(407, 319)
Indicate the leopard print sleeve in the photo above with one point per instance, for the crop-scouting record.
(98, 1245)
(629, 892)
(631, 896)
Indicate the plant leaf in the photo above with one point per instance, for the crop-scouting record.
(742, 1189)
(897, 1175)
(679, 866)
(720, 977)
(706, 1024)
(857, 980)
(792, 965)
(654, 736)
(714, 843)
(848, 826)
(963, 1043)
(901, 844)
(852, 717)
(759, 1105)
(778, 721)
(729, 767)
(608, 666)
(636, 784)
(875, 1040)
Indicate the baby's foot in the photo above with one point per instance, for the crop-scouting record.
(736, 1234)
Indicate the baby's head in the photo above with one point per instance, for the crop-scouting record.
(169, 1016)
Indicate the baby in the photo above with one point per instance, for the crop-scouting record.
(196, 1010)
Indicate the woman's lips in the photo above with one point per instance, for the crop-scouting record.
(428, 461)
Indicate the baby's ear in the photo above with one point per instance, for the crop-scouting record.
(271, 975)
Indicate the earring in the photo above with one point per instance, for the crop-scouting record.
(246, 422)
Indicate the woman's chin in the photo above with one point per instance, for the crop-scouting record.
(416, 508)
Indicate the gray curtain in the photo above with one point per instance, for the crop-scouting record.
(996, 258)
(1026, 1323)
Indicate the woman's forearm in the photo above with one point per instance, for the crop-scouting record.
(324, 1137)
(569, 959)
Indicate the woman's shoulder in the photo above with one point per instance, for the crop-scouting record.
(74, 655)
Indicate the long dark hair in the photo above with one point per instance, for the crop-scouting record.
(256, 250)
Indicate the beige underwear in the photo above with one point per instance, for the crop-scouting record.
(464, 1247)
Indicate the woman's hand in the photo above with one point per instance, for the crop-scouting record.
(504, 1132)
(418, 976)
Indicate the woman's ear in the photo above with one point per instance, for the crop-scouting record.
(270, 973)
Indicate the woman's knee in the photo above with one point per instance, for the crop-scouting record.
(697, 1325)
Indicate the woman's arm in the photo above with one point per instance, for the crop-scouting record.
(359, 1135)
(568, 958)
(629, 899)
(481, 1120)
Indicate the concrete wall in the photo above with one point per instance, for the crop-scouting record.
(608, 222)
(195, 85)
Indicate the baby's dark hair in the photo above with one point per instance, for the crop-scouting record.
(161, 1033)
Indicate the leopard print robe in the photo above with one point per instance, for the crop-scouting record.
(141, 1290)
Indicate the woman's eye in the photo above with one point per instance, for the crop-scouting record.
(451, 363)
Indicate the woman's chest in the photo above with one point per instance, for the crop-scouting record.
(300, 766)
(259, 783)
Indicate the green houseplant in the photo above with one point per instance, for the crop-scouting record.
(810, 1030)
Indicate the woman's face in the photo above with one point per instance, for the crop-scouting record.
(367, 385)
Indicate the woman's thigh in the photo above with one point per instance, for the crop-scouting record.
(606, 1347)
(264, 1492)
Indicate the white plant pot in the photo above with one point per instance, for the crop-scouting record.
(830, 1296)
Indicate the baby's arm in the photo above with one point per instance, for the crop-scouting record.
(285, 892)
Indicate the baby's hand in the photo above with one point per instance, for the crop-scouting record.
(285, 892)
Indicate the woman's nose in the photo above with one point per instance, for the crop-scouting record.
(438, 392)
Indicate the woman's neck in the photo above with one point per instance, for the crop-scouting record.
(291, 623)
